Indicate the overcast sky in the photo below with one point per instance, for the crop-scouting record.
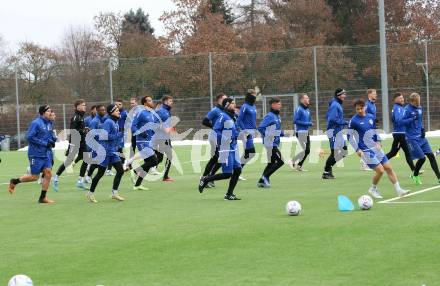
(45, 21)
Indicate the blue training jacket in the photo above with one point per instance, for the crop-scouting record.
(362, 125)
(270, 128)
(39, 134)
(112, 143)
(214, 115)
(397, 119)
(146, 123)
(371, 109)
(247, 119)
(88, 120)
(335, 117)
(302, 119)
(413, 121)
(226, 129)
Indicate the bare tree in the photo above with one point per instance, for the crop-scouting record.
(109, 29)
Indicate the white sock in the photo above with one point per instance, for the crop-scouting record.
(397, 186)
(81, 179)
(373, 186)
(115, 192)
(55, 178)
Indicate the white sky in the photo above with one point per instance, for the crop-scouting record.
(45, 21)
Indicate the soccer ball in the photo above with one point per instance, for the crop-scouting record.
(20, 280)
(293, 208)
(365, 202)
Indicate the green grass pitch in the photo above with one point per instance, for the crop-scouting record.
(172, 235)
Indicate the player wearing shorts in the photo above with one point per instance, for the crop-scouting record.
(415, 136)
(226, 129)
(112, 158)
(41, 141)
(366, 142)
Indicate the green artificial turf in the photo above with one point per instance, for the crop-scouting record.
(172, 235)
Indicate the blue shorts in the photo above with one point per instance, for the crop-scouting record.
(38, 164)
(111, 158)
(145, 149)
(231, 162)
(418, 148)
(374, 158)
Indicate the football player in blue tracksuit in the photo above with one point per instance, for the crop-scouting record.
(89, 118)
(161, 140)
(335, 125)
(121, 124)
(371, 103)
(247, 121)
(41, 141)
(270, 129)
(111, 144)
(143, 127)
(302, 121)
(365, 140)
(226, 129)
(399, 140)
(415, 136)
(372, 110)
(209, 121)
(94, 126)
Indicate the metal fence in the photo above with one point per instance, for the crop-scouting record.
(195, 80)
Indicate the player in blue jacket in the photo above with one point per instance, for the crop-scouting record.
(365, 141)
(209, 121)
(399, 140)
(161, 141)
(41, 141)
(302, 121)
(372, 110)
(94, 126)
(270, 129)
(371, 103)
(415, 136)
(335, 125)
(89, 118)
(111, 145)
(247, 121)
(226, 129)
(121, 124)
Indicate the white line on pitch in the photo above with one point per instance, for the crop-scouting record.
(415, 202)
(409, 195)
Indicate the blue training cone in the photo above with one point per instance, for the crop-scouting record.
(344, 204)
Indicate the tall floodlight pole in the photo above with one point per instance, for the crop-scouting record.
(383, 67)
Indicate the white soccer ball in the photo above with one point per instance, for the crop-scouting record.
(365, 202)
(20, 280)
(293, 208)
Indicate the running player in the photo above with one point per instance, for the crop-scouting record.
(370, 109)
(209, 121)
(366, 142)
(161, 141)
(302, 121)
(399, 140)
(270, 129)
(415, 136)
(111, 145)
(95, 125)
(226, 129)
(335, 125)
(41, 141)
(247, 121)
(77, 146)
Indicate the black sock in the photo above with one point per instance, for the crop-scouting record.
(16, 181)
(419, 165)
(42, 195)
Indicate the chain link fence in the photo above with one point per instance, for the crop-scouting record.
(195, 80)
